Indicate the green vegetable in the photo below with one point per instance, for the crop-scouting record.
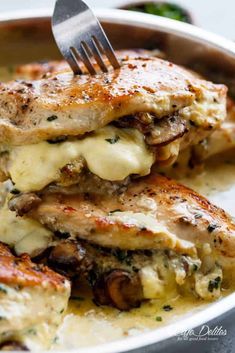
(162, 9)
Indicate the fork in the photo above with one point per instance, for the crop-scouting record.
(80, 37)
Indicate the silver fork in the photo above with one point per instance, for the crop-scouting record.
(80, 37)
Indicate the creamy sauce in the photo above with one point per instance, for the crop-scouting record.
(216, 181)
(86, 324)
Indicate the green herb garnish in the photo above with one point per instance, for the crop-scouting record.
(214, 284)
(32, 331)
(198, 216)
(211, 228)
(123, 256)
(167, 307)
(3, 289)
(113, 140)
(15, 191)
(158, 318)
(52, 118)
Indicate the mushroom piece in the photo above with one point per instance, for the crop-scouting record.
(120, 289)
(69, 258)
(23, 203)
(13, 346)
(166, 131)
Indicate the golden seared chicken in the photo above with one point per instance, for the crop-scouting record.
(38, 70)
(55, 128)
(33, 299)
(168, 236)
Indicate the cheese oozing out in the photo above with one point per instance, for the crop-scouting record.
(111, 153)
(23, 234)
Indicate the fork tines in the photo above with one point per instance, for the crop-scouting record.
(93, 49)
(81, 38)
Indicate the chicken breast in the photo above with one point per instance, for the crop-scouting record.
(151, 239)
(32, 111)
(38, 70)
(151, 110)
(152, 213)
(33, 299)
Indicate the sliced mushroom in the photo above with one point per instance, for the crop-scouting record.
(158, 132)
(120, 289)
(144, 122)
(13, 346)
(23, 203)
(166, 131)
(69, 258)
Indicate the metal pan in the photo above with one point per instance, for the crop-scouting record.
(26, 36)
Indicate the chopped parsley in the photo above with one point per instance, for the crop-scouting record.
(167, 307)
(56, 339)
(3, 289)
(195, 267)
(52, 118)
(158, 318)
(214, 284)
(211, 228)
(113, 140)
(198, 216)
(123, 256)
(32, 331)
(15, 191)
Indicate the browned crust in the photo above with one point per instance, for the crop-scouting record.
(84, 103)
(180, 210)
(22, 272)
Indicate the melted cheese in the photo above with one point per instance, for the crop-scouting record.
(111, 153)
(25, 235)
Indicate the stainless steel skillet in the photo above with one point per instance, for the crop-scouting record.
(26, 36)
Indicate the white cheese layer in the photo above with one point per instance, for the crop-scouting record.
(111, 153)
(23, 234)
